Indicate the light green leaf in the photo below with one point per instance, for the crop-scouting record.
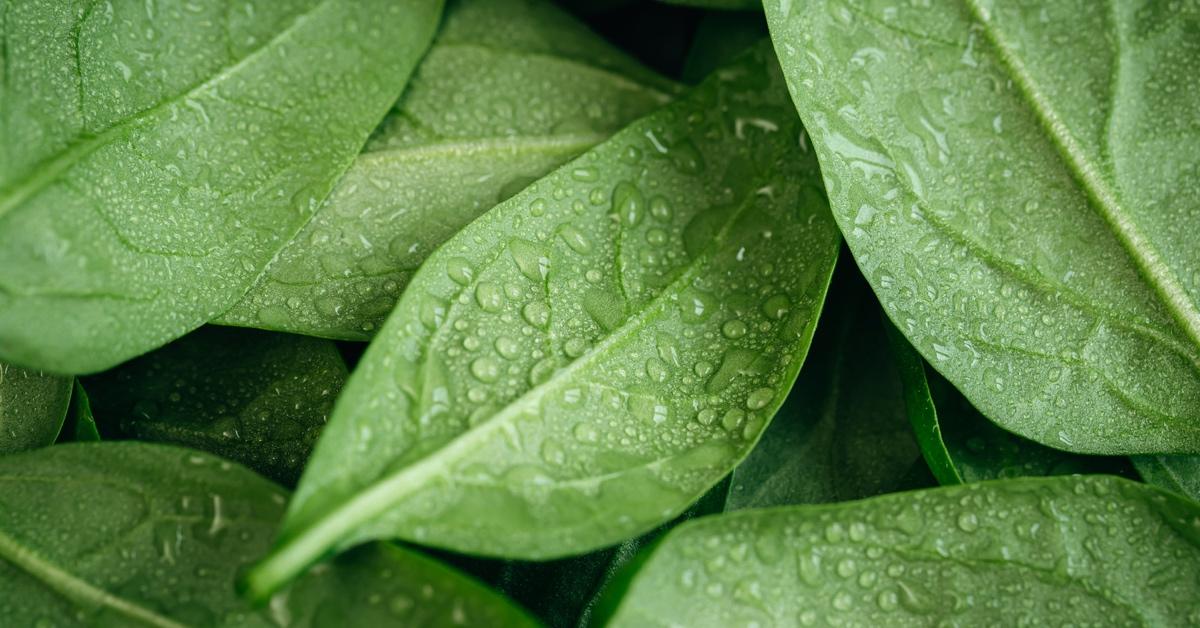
(135, 534)
(1175, 473)
(33, 406)
(961, 445)
(256, 397)
(488, 111)
(141, 194)
(589, 357)
(843, 432)
(1017, 182)
(1009, 552)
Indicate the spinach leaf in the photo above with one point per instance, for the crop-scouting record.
(256, 397)
(842, 433)
(720, 37)
(33, 406)
(136, 534)
(141, 193)
(588, 358)
(725, 5)
(961, 445)
(81, 423)
(488, 111)
(1175, 473)
(1009, 552)
(1017, 182)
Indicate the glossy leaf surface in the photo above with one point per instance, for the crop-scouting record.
(1010, 552)
(33, 406)
(81, 423)
(141, 194)
(257, 397)
(961, 445)
(151, 535)
(509, 91)
(843, 432)
(589, 357)
(1017, 182)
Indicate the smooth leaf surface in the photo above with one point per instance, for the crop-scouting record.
(1175, 473)
(1017, 182)
(81, 423)
(961, 445)
(33, 406)
(588, 358)
(151, 535)
(510, 90)
(259, 398)
(1010, 552)
(141, 193)
(718, 38)
(843, 432)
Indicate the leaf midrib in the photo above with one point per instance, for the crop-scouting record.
(50, 170)
(1103, 199)
(382, 494)
(73, 588)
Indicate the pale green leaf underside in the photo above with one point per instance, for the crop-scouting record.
(1010, 553)
(488, 111)
(33, 406)
(140, 195)
(151, 535)
(586, 359)
(255, 397)
(1018, 185)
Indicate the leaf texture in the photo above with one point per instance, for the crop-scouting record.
(589, 357)
(1017, 183)
(141, 194)
(33, 406)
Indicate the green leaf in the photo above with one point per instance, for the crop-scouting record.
(1018, 185)
(81, 423)
(488, 111)
(720, 37)
(256, 397)
(135, 534)
(843, 432)
(1174, 473)
(961, 445)
(141, 194)
(723, 5)
(1009, 552)
(589, 357)
(33, 406)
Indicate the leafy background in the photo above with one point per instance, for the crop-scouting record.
(522, 312)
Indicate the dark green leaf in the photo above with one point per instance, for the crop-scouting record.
(1176, 473)
(488, 111)
(585, 360)
(33, 406)
(1003, 553)
(81, 424)
(961, 445)
(842, 433)
(134, 534)
(1017, 182)
(256, 397)
(719, 38)
(142, 193)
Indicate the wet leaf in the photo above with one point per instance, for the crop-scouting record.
(152, 535)
(1017, 182)
(1008, 552)
(142, 193)
(488, 111)
(33, 406)
(1174, 473)
(588, 358)
(259, 398)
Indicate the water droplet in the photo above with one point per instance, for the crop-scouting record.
(759, 398)
(459, 270)
(628, 203)
(489, 296)
(733, 329)
(576, 240)
(536, 313)
(485, 369)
